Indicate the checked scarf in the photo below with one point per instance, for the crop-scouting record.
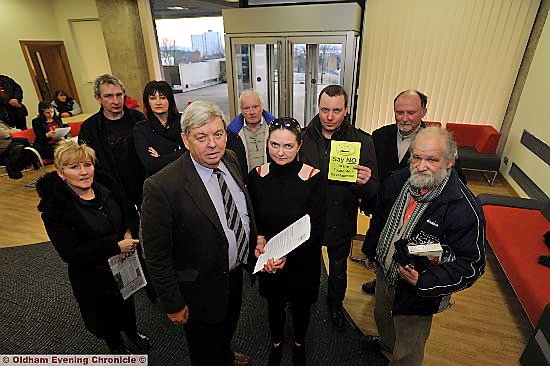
(394, 221)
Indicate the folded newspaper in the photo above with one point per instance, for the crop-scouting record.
(128, 273)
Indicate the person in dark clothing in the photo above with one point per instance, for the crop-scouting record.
(343, 198)
(65, 105)
(282, 191)
(424, 204)
(12, 110)
(44, 129)
(110, 132)
(88, 222)
(158, 138)
(392, 143)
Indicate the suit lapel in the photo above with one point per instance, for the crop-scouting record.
(198, 193)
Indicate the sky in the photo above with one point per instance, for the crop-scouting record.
(181, 30)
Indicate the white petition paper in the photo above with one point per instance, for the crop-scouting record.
(61, 132)
(285, 241)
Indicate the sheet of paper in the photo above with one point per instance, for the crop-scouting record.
(285, 241)
(344, 155)
(61, 132)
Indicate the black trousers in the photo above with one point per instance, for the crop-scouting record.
(337, 268)
(210, 344)
(276, 312)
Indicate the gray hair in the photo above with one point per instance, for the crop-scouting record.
(450, 153)
(248, 92)
(199, 113)
(106, 79)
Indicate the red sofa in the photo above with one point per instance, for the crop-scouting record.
(477, 146)
(515, 229)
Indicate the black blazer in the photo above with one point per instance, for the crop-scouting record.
(385, 144)
(184, 243)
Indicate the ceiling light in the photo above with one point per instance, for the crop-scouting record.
(176, 8)
(232, 1)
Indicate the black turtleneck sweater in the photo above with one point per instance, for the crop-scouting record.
(280, 198)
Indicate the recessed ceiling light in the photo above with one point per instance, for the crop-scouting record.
(176, 8)
(232, 1)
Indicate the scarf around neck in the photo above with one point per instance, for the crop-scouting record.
(394, 222)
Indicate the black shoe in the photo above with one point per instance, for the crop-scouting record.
(299, 355)
(141, 341)
(275, 355)
(368, 287)
(337, 316)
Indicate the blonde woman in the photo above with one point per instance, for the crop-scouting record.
(87, 223)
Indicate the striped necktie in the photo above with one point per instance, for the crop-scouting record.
(234, 222)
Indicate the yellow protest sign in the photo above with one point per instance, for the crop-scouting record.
(344, 155)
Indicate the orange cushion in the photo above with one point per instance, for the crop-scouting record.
(483, 138)
(515, 235)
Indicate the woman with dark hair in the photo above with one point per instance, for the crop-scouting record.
(64, 104)
(282, 191)
(44, 129)
(88, 222)
(158, 138)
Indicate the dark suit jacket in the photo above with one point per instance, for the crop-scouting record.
(184, 243)
(385, 144)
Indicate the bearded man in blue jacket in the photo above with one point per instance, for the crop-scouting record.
(424, 203)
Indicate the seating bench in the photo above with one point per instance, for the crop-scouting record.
(515, 229)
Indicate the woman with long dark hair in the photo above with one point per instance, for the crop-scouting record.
(65, 105)
(158, 138)
(44, 127)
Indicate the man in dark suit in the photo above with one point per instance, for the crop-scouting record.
(392, 142)
(198, 234)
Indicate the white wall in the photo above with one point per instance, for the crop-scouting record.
(42, 20)
(197, 73)
(24, 20)
(532, 115)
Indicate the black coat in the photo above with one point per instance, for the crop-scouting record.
(93, 134)
(166, 141)
(457, 220)
(13, 116)
(86, 234)
(184, 242)
(342, 197)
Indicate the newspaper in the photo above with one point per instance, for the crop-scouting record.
(286, 241)
(128, 273)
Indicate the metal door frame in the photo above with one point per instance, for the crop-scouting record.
(285, 41)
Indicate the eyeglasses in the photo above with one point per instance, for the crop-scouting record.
(252, 109)
(288, 123)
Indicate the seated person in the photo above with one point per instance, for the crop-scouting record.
(44, 129)
(251, 126)
(65, 105)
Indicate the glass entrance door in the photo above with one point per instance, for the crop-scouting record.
(256, 64)
(291, 70)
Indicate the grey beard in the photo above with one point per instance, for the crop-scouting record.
(427, 180)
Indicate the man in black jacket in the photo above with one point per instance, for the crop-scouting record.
(110, 133)
(332, 124)
(12, 110)
(424, 204)
(392, 141)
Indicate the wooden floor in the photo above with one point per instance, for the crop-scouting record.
(486, 326)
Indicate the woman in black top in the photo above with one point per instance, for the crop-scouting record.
(44, 129)
(158, 139)
(283, 191)
(88, 222)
